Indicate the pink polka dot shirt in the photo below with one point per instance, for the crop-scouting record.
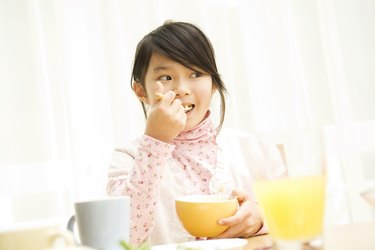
(198, 161)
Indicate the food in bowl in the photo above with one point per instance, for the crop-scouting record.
(199, 214)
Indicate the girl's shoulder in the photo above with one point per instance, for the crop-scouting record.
(129, 148)
(146, 143)
(253, 148)
(232, 132)
(231, 136)
(238, 134)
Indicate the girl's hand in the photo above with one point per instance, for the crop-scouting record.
(167, 116)
(246, 222)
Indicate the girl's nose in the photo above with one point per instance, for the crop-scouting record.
(181, 88)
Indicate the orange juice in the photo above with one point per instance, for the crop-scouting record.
(293, 207)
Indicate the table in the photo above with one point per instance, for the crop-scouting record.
(358, 236)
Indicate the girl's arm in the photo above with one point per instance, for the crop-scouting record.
(138, 174)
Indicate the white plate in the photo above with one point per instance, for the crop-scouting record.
(220, 244)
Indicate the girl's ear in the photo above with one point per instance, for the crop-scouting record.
(140, 92)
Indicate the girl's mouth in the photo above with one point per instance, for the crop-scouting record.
(188, 107)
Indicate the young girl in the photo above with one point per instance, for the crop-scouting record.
(181, 151)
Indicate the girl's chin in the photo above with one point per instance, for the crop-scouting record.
(188, 127)
(190, 124)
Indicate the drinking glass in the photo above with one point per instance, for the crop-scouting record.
(293, 205)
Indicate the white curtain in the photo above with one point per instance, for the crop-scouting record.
(66, 101)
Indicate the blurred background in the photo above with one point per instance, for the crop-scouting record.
(66, 101)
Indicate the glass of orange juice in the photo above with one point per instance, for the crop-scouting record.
(293, 206)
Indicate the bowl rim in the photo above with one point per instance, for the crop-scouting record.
(200, 197)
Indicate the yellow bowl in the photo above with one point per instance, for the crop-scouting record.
(199, 213)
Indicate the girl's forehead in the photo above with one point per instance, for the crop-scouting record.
(157, 59)
(159, 63)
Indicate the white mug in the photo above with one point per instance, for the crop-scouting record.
(104, 223)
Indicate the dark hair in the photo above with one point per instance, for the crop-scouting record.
(183, 43)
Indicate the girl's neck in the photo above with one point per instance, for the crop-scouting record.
(204, 130)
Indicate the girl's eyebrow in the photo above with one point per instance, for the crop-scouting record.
(160, 68)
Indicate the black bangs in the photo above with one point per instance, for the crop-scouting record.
(185, 44)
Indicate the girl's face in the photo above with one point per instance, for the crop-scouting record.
(193, 87)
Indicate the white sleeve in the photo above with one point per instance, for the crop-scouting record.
(250, 157)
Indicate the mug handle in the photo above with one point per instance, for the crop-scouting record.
(66, 236)
(70, 227)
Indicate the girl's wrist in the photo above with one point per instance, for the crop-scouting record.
(161, 138)
(150, 144)
(158, 134)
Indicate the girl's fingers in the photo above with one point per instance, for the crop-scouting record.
(239, 230)
(239, 216)
(158, 97)
(242, 224)
(232, 232)
(176, 105)
(239, 195)
(159, 90)
(168, 97)
(181, 113)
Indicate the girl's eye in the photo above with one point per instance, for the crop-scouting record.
(165, 78)
(196, 74)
